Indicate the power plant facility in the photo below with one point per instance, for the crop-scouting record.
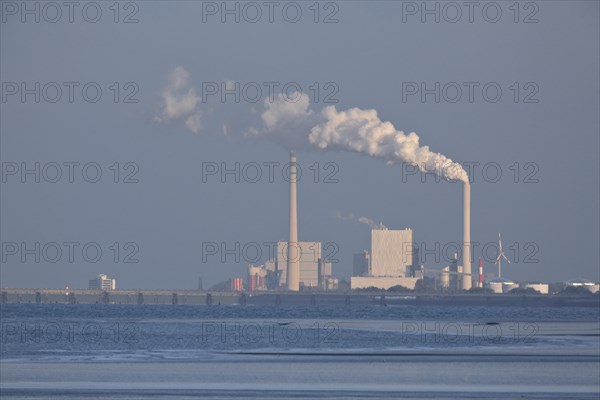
(392, 261)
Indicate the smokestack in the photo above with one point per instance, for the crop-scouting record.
(466, 277)
(293, 250)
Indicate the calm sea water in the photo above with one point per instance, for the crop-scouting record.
(130, 351)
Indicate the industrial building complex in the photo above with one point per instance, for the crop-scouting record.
(314, 272)
(391, 264)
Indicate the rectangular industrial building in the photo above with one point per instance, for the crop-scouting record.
(392, 252)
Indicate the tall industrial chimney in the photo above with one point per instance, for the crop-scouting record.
(466, 277)
(293, 250)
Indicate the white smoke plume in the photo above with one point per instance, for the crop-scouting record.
(371, 223)
(362, 131)
(179, 103)
(342, 216)
(291, 122)
(288, 123)
(355, 130)
(363, 220)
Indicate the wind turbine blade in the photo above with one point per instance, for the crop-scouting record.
(505, 258)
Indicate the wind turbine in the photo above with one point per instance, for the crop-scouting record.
(500, 256)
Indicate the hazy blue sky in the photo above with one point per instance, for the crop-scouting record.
(370, 57)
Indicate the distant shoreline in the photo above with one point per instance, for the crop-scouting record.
(197, 297)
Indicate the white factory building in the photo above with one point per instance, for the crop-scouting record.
(391, 252)
(541, 288)
(500, 285)
(102, 282)
(584, 283)
(390, 262)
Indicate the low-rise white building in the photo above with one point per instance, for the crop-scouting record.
(542, 288)
(500, 285)
(585, 283)
(102, 282)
